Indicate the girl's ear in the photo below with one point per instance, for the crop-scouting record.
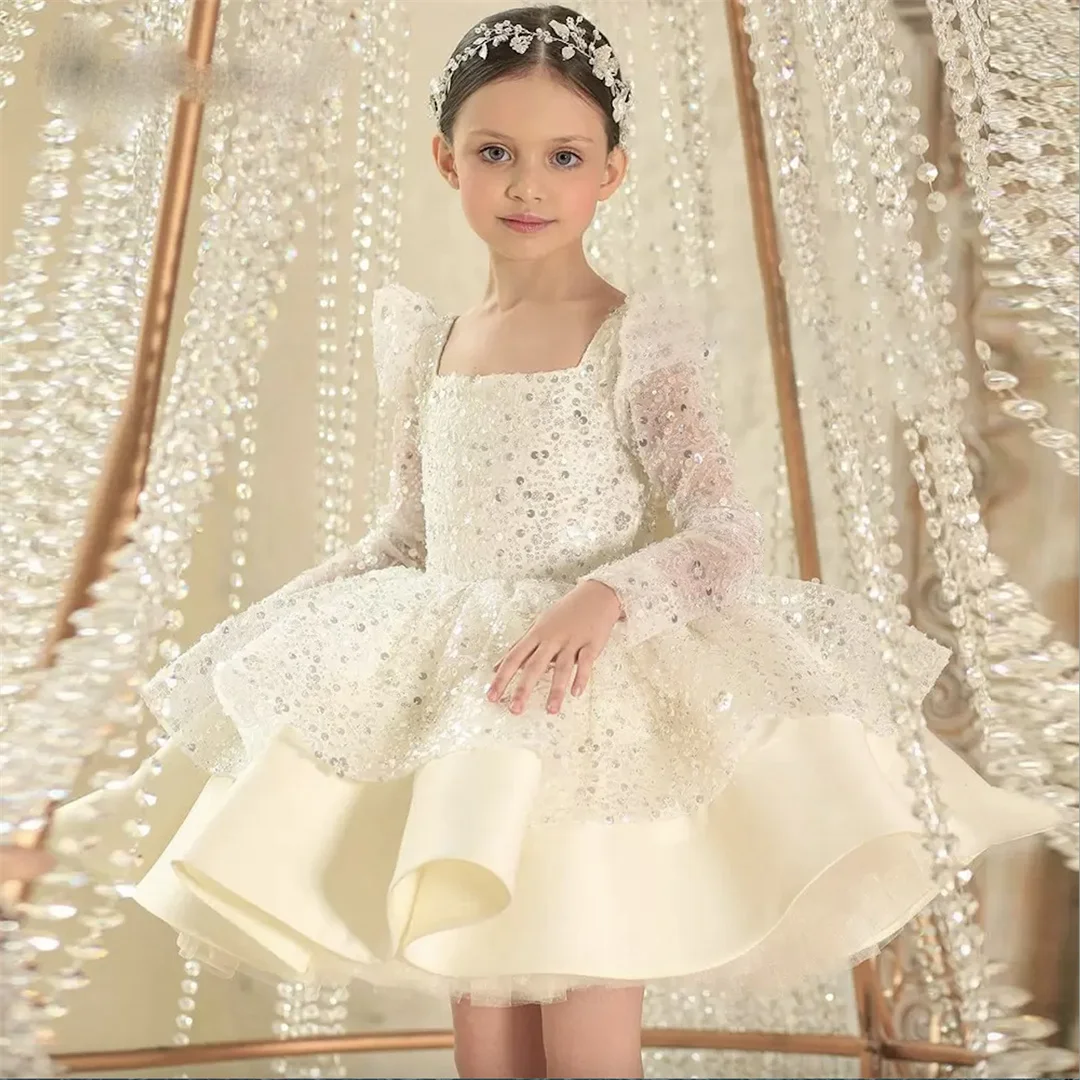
(614, 173)
(444, 161)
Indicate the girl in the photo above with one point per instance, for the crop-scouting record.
(518, 746)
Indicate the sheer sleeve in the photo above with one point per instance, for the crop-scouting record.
(670, 418)
(401, 320)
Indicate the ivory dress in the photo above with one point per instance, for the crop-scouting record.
(339, 800)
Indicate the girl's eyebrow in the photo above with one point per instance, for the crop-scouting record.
(486, 133)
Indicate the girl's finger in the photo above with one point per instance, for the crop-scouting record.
(586, 657)
(560, 680)
(508, 667)
(508, 652)
(530, 675)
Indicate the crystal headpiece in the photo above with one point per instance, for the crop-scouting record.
(571, 35)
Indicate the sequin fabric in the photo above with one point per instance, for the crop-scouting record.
(505, 491)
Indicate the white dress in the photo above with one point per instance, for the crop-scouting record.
(339, 800)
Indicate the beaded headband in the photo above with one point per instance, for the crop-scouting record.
(574, 39)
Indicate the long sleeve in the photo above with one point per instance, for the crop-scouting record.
(396, 537)
(669, 417)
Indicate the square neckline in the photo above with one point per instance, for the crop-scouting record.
(468, 376)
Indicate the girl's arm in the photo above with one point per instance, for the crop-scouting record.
(396, 537)
(670, 418)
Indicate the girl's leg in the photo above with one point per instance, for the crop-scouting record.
(498, 1041)
(594, 1032)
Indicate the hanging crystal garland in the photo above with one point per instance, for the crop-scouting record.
(861, 485)
(1023, 684)
(357, 378)
(392, 37)
(1017, 80)
(287, 1008)
(331, 525)
(246, 427)
(871, 28)
(16, 24)
(674, 262)
(40, 759)
(306, 1012)
(687, 23)
(612, 238)
(62, 379)
(152, 20)
(376, 237)
(62, 433)
(267, 147)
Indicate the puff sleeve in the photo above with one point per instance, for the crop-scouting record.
(401, 321)
(669, 417)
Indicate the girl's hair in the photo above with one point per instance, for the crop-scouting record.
(504, 63)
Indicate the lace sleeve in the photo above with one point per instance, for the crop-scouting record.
(670, 418)
(396, 538)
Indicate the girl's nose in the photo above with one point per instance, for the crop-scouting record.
(525, 185)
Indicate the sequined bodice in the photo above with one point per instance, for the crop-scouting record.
(524, 474)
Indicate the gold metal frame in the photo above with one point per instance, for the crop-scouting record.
(116, 506)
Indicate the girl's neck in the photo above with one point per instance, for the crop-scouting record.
(562, 276)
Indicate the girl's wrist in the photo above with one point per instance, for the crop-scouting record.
(602, 588)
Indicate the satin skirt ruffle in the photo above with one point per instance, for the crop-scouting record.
(724, 805)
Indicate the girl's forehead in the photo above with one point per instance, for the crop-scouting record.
(534, 105)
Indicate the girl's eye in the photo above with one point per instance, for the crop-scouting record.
(566, 159)
(491, 153)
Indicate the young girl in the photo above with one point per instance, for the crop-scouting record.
(517, 746)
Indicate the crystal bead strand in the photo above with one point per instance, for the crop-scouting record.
(280, 26)
(856, 24)
(780, 518)
(64, 401)
(149, 23)
(123, 747)
(399, 29)
(247, 423)
(625, 234)
(16, 24)
(358, 381)
(393, 41)
(1021, 747)
(333, 1012)
(287, 1009)
(671, 264)
(602, 252)
(612, 236)
(34, 240)
(331, 525)
(270, 146)
(63, 384)
(772, 30)
(386, 119)
(1032, 226)
(688, 26)
(185, 1004)
(959, 542)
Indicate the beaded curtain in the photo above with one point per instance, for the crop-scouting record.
(325, 182)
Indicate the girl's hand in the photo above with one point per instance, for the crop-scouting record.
(570, 634)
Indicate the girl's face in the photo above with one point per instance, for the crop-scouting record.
(530, 159)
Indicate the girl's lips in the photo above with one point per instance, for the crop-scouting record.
(525, 224)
